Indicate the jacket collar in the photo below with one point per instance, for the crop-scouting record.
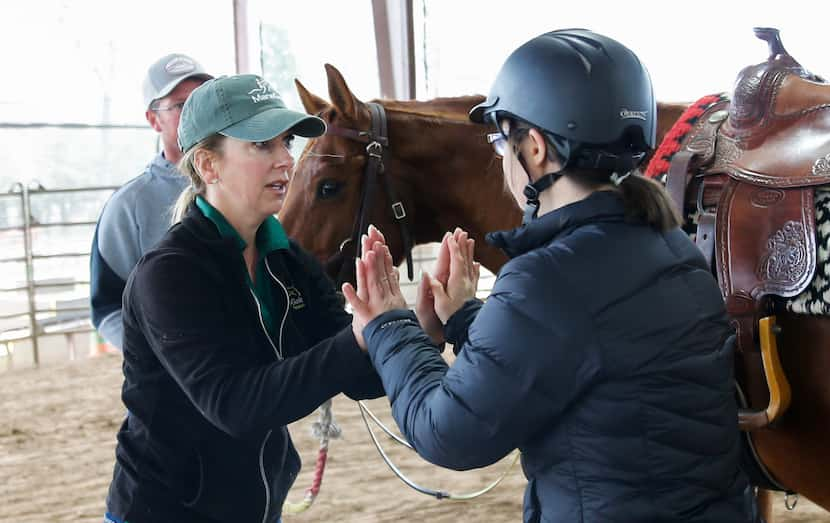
(270, 236)
(205, 232)
(601, 206)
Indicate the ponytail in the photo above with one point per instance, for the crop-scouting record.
(184, 200)
(647, 200)
(187, 168)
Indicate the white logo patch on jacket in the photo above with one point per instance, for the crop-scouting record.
(295, 299)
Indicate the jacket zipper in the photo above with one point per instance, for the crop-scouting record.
(278, 352)
(264, 477)
(287, 301)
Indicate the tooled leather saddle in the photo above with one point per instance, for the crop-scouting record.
(749, 169)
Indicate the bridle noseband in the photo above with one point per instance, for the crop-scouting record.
(377, 142)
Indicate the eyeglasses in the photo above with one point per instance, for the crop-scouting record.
(498, 141)
(173, 107)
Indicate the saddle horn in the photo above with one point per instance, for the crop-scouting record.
(772, 37)
(779, 58)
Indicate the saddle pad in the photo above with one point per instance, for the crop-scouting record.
(815, 299)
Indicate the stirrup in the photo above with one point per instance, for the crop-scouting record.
(780, 393)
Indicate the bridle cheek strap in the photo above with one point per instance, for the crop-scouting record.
(377, 141)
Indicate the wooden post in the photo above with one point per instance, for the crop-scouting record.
(395, 44)
(240, 36)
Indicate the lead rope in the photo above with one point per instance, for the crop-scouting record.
(437, 494)
(324, 429)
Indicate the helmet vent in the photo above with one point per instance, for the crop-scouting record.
(585, 61)
(578, 43)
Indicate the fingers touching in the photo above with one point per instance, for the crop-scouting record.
(378, 288)
(442, 265)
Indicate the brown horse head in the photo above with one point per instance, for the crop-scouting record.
(437, 163)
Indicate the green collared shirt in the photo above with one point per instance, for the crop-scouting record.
(269, 237)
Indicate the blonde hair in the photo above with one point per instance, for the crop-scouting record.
(197, 186)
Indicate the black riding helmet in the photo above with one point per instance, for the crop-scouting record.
(591, 93)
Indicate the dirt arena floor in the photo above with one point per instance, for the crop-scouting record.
(57, 438)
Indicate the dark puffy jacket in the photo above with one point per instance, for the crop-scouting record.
(209, 393)
(604, 354)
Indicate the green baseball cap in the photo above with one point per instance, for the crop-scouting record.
(244, 107)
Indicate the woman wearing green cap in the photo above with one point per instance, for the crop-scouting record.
(231, 331)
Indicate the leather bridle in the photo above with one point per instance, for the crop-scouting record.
(377, 142)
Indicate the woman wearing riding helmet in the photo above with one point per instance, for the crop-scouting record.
(604, 352)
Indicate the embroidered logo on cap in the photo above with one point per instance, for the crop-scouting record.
(179, 65)
(263, 91)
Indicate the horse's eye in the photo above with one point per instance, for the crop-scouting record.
(328, 189)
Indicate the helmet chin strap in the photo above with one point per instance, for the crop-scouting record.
(532, 192)
(533, 189)
(587, 158)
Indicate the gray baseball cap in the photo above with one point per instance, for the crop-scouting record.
(244, 107)
(168, 72)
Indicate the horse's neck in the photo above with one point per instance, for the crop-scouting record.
(453, 109)
(450, 174)
(453, 177)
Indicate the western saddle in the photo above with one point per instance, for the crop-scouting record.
(749, 169)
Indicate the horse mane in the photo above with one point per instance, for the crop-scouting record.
(444, 110)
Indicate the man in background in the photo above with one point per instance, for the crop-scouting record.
(138, 214)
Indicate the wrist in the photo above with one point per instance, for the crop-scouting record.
(357, 331)
(437, 337)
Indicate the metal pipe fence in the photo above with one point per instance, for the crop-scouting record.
(45, 237)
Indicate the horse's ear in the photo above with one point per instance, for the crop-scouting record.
(312, 103)
(341, 97)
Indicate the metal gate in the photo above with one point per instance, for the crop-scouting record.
(45, 238)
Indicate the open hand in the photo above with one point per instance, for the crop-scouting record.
(378, 287)
(366, 242)
(425, 299)
(463, 276)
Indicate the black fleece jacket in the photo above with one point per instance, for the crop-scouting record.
(209, 393)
